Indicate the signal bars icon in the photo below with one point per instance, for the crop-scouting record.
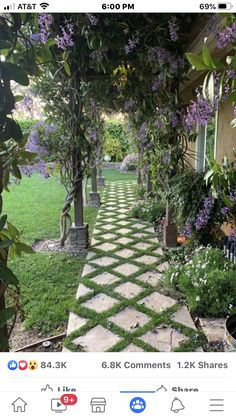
(10, 7)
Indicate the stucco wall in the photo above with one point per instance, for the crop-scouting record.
(192, 154)
(226, 135)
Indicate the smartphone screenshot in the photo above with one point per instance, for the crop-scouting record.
(117, 209)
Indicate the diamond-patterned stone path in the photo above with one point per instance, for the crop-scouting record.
(119, 304)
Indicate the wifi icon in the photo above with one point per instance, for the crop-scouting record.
(44, 5)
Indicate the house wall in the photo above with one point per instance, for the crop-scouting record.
(226, 135)
(192, 151)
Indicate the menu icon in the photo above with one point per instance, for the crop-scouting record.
(216, 405)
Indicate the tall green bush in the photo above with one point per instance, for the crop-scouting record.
(116, 142)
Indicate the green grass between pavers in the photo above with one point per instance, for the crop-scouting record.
(195, 339)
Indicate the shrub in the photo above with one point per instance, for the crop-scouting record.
(207, 281)
(113, 148)
(130, 162)
(199, 213)
(149, 209)
(116, 142)
(186, 195)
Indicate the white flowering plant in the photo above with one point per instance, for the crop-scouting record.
(207, 281)
(149, 209)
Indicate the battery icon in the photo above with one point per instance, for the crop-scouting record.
(225, 6)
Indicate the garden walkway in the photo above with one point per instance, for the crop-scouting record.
(119, 304)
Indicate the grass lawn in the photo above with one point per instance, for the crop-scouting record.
(48, 282)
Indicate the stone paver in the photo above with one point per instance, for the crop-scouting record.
(126, 269)
(132, 348)
(75, 323)
(142, 246)
(124, 231)
(163, 266)
(105, 261)
(150, 277)
(106, 247)
(164, 339)
(182, 316)
(100, 303)
(111, 263)
(213, 328)
(82, 291)
(125, 253)
(97, 339)
(87, 270)
(108, 226)
(124, 240)
(105, 278)
(147, 260)
(128, 290)
(130, 319)
(108, 236)
(157, 302)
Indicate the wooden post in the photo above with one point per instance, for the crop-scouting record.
(94, 197)
(79, 231)
(101, 179)
(170, 230)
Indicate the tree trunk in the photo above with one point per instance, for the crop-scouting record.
(78, 197)
(94, 179)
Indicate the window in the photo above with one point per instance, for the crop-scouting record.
(206, 144)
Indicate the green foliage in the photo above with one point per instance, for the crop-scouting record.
(113, 148)
(27, 124)
(221, 177)
(187, 192)
(206, 281)
(116, 142)
(149, 209)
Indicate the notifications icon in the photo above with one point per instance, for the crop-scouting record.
(177, 405)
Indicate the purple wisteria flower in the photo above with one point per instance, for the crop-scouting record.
(129, 104)
(93, 20)
(225, 211)
(227, 36)
(143, 131)
(39, 167)
(232, 196)
(34, 145)
(187, 230)
(204, 215)
(132, 44)
(173, 28)
(160, 57)
(199, 111)
(45, 22)
(158, 123)
(66, 39)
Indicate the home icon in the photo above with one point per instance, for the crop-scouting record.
(98, 405)
(19, 405)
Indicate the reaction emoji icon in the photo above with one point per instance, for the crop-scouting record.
(33, 365)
